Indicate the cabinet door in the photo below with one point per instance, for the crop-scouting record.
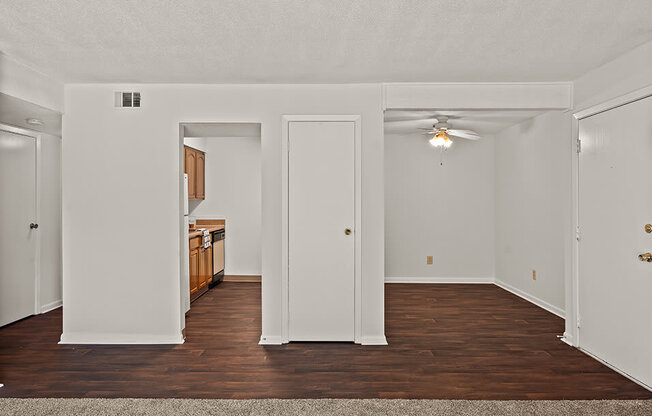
(200, 179)
(194, 271)
(209, 262)
(190, 168)
(203, 268)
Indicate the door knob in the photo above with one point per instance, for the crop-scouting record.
(347, 231)
(645, 257)
(648, 228)
(33, 226)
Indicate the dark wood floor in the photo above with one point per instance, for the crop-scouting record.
(445, 341)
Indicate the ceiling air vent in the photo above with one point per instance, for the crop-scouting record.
(127, 99)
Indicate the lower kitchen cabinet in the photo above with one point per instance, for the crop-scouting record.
(194, 273)
(201, 268)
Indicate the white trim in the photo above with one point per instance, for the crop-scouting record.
(37, 220)
(532, 299)
(373, 340)
(51, 306)
(357, 230)
(461, 280)
(124, 339)
(622, 373)
(619, 101)
(270, 340)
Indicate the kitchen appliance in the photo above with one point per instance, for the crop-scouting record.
(185, 279)
(218, 257)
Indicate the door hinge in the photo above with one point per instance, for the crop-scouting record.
(579, 145)
(578, 321)
(577, 234)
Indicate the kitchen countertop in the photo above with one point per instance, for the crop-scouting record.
(196, 233)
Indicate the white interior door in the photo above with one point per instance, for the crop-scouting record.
(17, 239)
(615, 202)
(321, 209)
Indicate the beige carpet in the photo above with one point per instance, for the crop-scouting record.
(102, 407)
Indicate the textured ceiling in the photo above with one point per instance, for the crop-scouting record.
(483, 122)
(298, 41)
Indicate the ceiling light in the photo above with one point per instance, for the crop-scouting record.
(34, 121)
(441, 139)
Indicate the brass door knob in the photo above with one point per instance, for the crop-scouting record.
(645, 257)
(347, 231)
(648, 228)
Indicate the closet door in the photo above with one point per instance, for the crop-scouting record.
(321, 226)
(17, 236)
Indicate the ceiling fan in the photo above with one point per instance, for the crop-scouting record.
(442, 134)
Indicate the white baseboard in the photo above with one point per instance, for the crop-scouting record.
(270, 340)
(533, 299)
(51, 306)
(123, 339)
(568, 339)
(393, 279)
(381, 340)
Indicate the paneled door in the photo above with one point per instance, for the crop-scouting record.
(17, 235)
(321, 210)
(615, 264)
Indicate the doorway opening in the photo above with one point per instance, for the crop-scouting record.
(221, 213)
(30, 211)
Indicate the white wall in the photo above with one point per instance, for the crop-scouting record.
(532, 198)
(198, 143)
(444, 211)
(21, 81)
(116, 160)
(628, 72)
(233, 193)
(50, 222)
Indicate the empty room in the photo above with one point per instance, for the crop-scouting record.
(326, 207)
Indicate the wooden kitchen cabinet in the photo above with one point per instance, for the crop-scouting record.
(201, 176)
(201, 268)
(194, 165)
(194, 272)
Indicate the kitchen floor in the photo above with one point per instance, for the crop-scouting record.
(445, 342)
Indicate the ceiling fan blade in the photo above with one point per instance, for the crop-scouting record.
(464, 134)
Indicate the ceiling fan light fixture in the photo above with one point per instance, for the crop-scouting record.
(441, 139)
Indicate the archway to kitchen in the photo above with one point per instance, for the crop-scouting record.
(220, 177)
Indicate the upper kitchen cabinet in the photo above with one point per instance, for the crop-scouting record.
(194, 167)
(201, 174)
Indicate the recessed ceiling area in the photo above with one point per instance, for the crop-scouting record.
(320, 41)
(483, 122)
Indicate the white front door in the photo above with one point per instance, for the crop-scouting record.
(321, 248)
(615, 204)
(17, 239)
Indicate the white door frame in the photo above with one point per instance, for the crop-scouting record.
(37, 212)
(357, 231)
(573, 321)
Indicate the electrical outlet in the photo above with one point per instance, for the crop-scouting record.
(534, 275)
(429, 260)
